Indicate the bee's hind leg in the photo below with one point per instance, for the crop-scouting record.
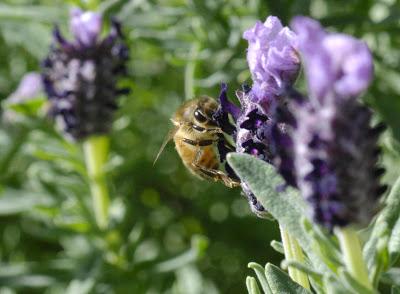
(218, 175)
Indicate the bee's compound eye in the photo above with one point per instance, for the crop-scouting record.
(199, 116)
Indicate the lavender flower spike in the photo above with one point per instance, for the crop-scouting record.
(334, 63)
(335, 147)
(80, 76)
(272, 57)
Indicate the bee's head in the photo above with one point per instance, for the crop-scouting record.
(198, 112)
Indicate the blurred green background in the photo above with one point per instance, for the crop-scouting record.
(170, 232)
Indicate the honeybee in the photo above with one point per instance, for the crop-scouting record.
(196, 135)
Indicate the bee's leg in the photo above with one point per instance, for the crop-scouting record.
(200, 129)
(218, 175)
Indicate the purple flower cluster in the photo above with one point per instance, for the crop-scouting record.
(335, 147)
(322, 144)
(80, 76)
(274, 65)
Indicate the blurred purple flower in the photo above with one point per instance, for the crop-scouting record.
(80, 76)
(335, 148)
(85, 26)
(29, 87)
(335, 64)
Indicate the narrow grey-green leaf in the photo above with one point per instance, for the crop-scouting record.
(353, 285)
(281, 283)
(287, 207)
(301, 267)
(391, 277)
(252, 287)
(394, 242)
(259, 270)
(14, 202)
(384, 224)
(277, 246)
(333, 286)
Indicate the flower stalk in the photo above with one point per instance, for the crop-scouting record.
(96, 150)
(293, 252)
(352, 255)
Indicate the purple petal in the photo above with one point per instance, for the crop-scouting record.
(226, 105)
(272, 57)
(85, 26)
(335, 64)
(29, 87)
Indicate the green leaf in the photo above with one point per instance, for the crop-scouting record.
(278, 247)
(352, 284)
(384, 224)
(47, 14)
(333, 286)
(260, 272)
(280, 282)
(252, 287)
(395, 290)
(394, 242)
(287, 207)
(27, 107)
(391, 277)
(302, 267)
(15, 202)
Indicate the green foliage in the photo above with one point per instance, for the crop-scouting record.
(325, 265)
(170, 233)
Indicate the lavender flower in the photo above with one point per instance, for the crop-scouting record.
(29, 87)
(272, 58)
(335, 146)
(274, 65)
(80, 76)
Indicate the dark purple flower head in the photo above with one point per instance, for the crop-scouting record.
(335, 147)
(80, 76)
(272, 58)
(335, 64)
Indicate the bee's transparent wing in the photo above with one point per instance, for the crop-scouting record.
(169, 136)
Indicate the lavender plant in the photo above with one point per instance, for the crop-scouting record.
(80, 79)
(323, 145)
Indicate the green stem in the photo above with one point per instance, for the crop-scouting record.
(352, 254)
(96, 153)
(293, 252)
(190, 71)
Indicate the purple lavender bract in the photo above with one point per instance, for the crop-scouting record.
(334, 63)
(272, 58)
(80, 76)
(274, 65)
(335, 147)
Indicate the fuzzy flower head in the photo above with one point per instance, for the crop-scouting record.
(335, 147)
(272, 58)
(80, 76)
(335, 64)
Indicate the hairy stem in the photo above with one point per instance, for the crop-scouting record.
(352, 254)
(96, 154)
